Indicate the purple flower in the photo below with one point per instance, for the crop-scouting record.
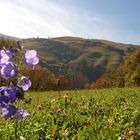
(22, 113)
(2, 89)
(8, 70)
(24, 83)
(6, 56)
(3, 100)
(30, 58)
(8, 111)
(11, 94)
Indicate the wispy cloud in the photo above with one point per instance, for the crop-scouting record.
(49, 18)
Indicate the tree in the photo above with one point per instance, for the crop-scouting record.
(127, 74)
(132, 69)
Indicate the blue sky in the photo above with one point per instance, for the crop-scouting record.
(116, 20)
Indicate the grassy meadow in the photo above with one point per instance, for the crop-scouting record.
(108, 114)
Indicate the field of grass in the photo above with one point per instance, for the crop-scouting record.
(108, 114)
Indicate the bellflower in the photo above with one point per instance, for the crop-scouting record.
(11, 94)
(3, 100)
(24, 83)
(30, 58)
(5, 56)
(8, 70)
(8, 111)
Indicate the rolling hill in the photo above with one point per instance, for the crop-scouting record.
(9, 37)
(73, 55)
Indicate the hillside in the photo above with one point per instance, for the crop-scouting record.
(72, 55)
(9, 37)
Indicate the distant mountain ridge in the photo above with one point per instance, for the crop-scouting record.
(73, 55)
(11, 37)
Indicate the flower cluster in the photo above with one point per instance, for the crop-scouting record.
(9, 70)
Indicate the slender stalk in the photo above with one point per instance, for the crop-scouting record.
(16, 122)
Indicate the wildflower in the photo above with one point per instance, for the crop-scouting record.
(30, 58)
(28, 100)
(8, 70)
(51, 113)
(6, 56)
(65, 96)
(22, 113)
(58, 110)
(65, 133)
(64, 114)
(131, 133)
(110, 126)
(139, 133)
(126, 134)
(119, 138)
(10, 93)
(8, 111)
(22, 138)
(24, 83)
(53, 131)
(39, 107)
(53, 100)
(3, 100)
(76, 138)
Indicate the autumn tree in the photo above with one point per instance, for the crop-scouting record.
(132, 69)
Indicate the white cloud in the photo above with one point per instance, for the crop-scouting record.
(31, 18)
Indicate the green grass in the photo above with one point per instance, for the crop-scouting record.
(130, 94)
(78, 115)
